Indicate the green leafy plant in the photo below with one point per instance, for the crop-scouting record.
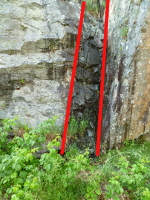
(75, 126)
(20, 129)
(93, 191)
(92, 7)
(72, 127)
(128, 178)
(83, 125)
(50, 129)
(19, 160)
(129, 142)
(71, 176)
(146, 194)
(22, 81)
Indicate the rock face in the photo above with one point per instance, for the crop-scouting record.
(37, 46)
(126, 111)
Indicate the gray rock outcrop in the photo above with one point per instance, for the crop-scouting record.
(126, 113)
(37, 47)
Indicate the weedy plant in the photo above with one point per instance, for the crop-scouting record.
(124, 173)
(11, 51)
(129, 142)
(129, 178)
(72, 127)
(52, 45)
(127, 172)
(22, 81)
(75, 126)
(20, 129)
(92, 7)
(83, 125)
(103, 3)
(22, 176)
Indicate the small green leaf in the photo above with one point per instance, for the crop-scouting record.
(17, 167)
(14, 197)
(14, 175)
(20, 193)
(9, 190)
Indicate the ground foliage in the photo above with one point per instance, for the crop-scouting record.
(120, 174)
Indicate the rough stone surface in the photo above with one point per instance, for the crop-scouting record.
(37, 46)
(126, 113)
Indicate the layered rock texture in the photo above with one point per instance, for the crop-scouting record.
(126, 113)
(37, 47)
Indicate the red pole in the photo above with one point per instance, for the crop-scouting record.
(73, 77)
(102, 79)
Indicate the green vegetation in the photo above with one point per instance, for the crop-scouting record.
(129, 142)
(124, 31)
(22, 81)
(11, 51)
(103, 3)
(120, 174)
(92, 7)
(72, 127)
(75, 127)
(52, 45)
(83, 125)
